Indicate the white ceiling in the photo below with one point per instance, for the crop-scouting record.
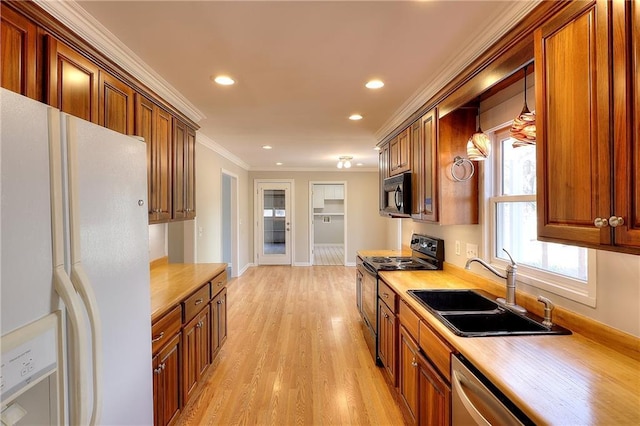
(301, 67)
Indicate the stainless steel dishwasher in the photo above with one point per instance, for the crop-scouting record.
(475, 401)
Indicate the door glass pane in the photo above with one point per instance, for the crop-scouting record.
(275, 219)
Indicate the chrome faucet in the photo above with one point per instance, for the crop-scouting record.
(510, 300)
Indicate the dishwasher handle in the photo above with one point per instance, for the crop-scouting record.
(459, 382)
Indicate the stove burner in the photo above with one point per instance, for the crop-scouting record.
(381, 259)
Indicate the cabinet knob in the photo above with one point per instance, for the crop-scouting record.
(414, 363)
(385, 315)
(601, 222)
(157, 370)
(616, 221)
(385, 295)
(199, 301)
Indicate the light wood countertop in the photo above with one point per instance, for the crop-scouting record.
(173, 282)
(562, 380)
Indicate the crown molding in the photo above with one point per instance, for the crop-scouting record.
(451, 69)
(314, 169)
(78, 20)
(210, 144)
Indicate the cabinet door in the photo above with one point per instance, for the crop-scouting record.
(190, 174)
(162, 145)
(190, 358)
(115, 104)
(408, 372)
(626, 115)
(72, 81)
(399, 153)
(434, 405)
(179, 145)
(383, 173)
(428, 202)
(417, 169)
(166, 383)
(219, 323)
(145, 129)
(18, 50)
(572, 107)
(386, 340)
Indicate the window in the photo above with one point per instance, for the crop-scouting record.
(565, 270)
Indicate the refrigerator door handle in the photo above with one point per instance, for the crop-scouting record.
(62, 283)
(78, 276)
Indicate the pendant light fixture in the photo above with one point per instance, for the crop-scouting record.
(523, 129)
(479, 144)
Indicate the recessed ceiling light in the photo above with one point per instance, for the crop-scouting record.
(278, 164)
(267, 147)
(359, 164)
(374, 84)
(377, 148)
(224, 80)
(355, 117)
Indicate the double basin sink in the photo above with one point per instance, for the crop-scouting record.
(474, 313)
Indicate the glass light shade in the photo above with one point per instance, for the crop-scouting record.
(478, 146)
(347, 164)
(523, 129)
(340, 164)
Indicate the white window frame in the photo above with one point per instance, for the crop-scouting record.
(573, 289)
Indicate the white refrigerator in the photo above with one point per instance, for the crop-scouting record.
(74, 283)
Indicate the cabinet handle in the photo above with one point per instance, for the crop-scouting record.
(601, 222)
(158, 337)
(199, 324)
(385, 315)
(414, 363)
(616, 221)
(199, 301)
(163, 365)
(385, 295)
(157, 370)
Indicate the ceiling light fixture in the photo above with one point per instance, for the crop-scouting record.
(523, 129)
(376, 148)
(355, 117)
(374, 84)
(224, 80)
(344, 161)
(266, 147)
(479, 144)
(278, 164)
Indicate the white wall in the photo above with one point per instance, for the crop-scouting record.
(618, 275)
(157, 241)
(366, 229)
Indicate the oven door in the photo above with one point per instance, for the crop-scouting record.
(370, 308)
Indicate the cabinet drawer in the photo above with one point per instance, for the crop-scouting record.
(218, 283)
(388, 296)
(164, 328)
(436, 349)
(196, 302)
(409, 319)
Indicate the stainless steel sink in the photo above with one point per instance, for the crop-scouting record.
(474, 313)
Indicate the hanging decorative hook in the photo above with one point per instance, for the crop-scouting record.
(467, 172)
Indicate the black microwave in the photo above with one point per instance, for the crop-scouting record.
(397, 195)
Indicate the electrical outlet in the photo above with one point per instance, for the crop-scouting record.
(472, 250)
(457, 248)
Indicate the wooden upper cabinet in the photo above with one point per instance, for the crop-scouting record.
(428, 175)
(72, 81)
(626, 113)
(572, 107)
(18, 50)
(115, 104)
(190, 174)
(184, 195)
(417, 167)
(383, 173)
(154, 124)
(400, 153)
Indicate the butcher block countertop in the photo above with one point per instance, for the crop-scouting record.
(589, 377)
(173, 282)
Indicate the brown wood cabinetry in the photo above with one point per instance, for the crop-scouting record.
(383, 173)
(115, 104)
(424, 371)
(426, 174)
(184, 139)
(154, 124)
(387, 335)
(588, 130)
(72, 84)
(400, 153)
(218, 321)
(196, 350)
(18, 50)
(417, 158)
(166, 383)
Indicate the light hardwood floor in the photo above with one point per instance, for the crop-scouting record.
(328, 255)
(295, 355)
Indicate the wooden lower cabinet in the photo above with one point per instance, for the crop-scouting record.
(386, 340)
(218, 321)
(197, 351)
(166, 383)
(426, 395)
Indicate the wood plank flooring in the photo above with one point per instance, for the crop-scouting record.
(295, 355)
(328, 255)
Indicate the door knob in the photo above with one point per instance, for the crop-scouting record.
(600, 222)
(616, 221)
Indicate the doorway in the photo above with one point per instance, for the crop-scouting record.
(230, 229)
(328, 229)
(274, 222)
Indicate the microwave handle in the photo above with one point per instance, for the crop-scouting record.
(398, 197)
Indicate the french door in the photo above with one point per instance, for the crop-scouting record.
(273, 223)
